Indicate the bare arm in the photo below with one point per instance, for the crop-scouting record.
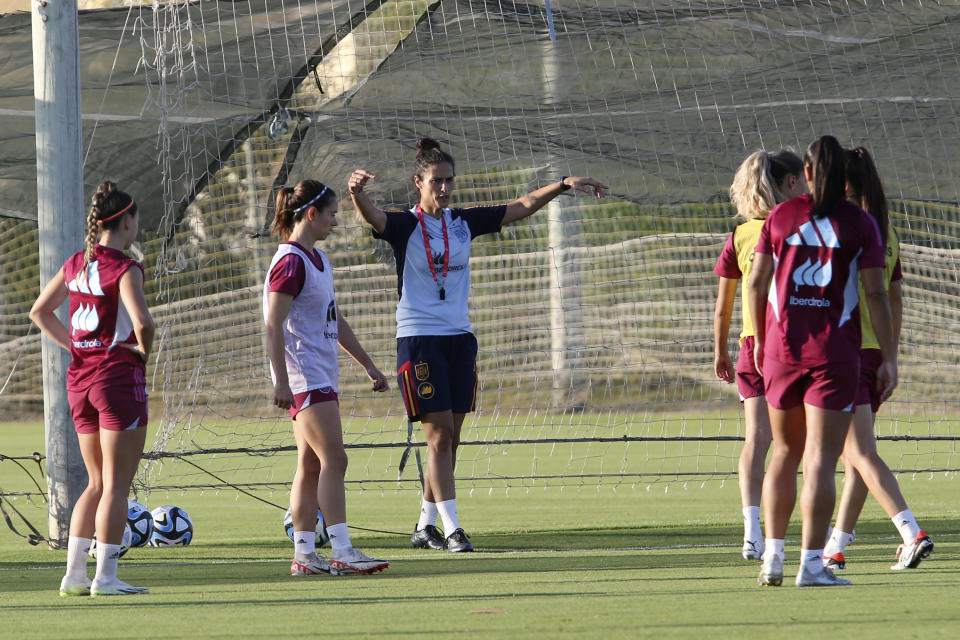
(374, 217)
(757, 288)
(133, 299)
(278, 308)
(726, 295)
(348, 340)
(533, 201)
(882, 320)
(42, 312)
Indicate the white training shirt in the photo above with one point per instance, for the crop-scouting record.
(310, 332)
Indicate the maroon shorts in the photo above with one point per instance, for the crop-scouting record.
(110, 406)
(830, 386)
(315, 396)
(749, 380)
(870, 361)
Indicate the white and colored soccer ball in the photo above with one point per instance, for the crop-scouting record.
(322, 536)
(140, 521)
(124, 542)
(171, 525)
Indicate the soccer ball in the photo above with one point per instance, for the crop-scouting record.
(171, 525)
(140, 521)
(322, 536)
(124, 542)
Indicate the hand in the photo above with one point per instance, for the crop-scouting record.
(886, 379)
(379, 380)
(358, 179)
(724, 367)
(586, 185)
(136, 349)
(758, 355)
(282, 396)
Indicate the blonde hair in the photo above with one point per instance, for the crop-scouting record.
(756, 187)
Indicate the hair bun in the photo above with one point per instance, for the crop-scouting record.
(426, 144)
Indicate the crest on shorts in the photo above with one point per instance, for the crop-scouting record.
(422, 371)
(425, 391)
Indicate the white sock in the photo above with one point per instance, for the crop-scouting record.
(812, 560)
(773, 548)
(78, 549)
(448, 512)
(339, 536)
(837, 542)
(304, 543)
(907, 525)
(752, 530)
(108, 556)
(428, 514)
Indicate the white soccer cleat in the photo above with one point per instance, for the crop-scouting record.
(910, 555)
(309, 566)
(771, 574)
(352, 561)
(824, 578)
(115, 588)
(73, 587)
(752, 550)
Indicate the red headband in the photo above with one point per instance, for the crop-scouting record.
(122, 211)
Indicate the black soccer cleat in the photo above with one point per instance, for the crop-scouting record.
(458, 542)
(427, 538)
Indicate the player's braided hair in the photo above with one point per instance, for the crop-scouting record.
(293, 203)
(107, 206)
(865, 189)
(825, 157)
(430, 154)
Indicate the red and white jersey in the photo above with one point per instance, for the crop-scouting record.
(812, 313)
(310, 331)
(99, 321)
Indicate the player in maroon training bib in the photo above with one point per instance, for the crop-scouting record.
(109, 339)
(804, 299)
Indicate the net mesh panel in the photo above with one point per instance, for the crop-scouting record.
(593, 316)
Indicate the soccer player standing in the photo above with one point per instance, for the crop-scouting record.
(109, 339)
(814, 247)
(863, 467)
(304, 327)
(761, 182)
(436, 348)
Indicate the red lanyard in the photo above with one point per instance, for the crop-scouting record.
(446, 251)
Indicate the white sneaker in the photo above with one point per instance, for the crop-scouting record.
(771, 573)
(73, 587)
(309, 566)
(752, 550)
(353, 561)
(910, 555)
(824, 578)
(115, 588)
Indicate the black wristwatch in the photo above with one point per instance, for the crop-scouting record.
(564, 185)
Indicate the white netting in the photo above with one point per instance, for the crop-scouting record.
(593, 317)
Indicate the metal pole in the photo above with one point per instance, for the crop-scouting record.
(60, 219)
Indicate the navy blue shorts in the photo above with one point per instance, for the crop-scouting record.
(437, 373)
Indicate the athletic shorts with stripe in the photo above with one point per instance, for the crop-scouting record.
(437, 373)
(110, 406)
(314, 396)
(749, 380)
(831, 386)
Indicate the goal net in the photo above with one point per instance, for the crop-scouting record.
(593, 316)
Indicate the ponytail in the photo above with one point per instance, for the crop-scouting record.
(107, 206)
(865, 189)
(825, 157)
(293, 203)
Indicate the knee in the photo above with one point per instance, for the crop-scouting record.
(442, 441)
(336, 462)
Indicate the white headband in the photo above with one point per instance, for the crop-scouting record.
(309, 204)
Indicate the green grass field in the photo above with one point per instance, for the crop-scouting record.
(658, 560)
